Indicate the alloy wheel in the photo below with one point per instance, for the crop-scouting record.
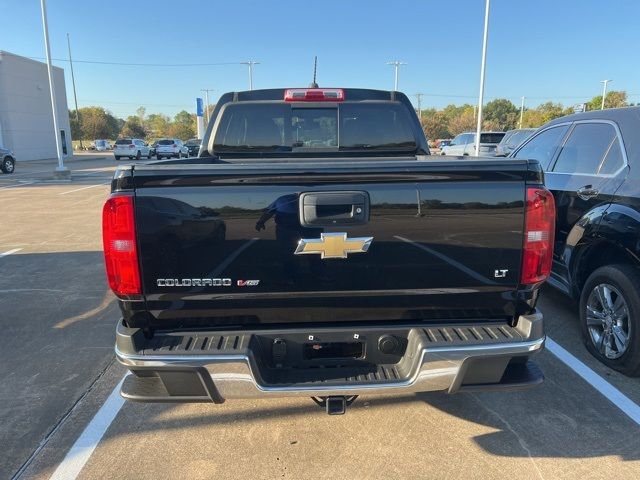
(608, 320)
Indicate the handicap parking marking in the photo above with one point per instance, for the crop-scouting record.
(611, 393)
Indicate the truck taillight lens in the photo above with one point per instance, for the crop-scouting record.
(120, 251)
(132, 146)
(540, 221)
(314, 95)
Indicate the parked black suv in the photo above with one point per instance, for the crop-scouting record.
(592, 164)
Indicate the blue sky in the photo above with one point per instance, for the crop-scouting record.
(544, 49)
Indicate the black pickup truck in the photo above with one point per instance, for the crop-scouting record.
(314, 248)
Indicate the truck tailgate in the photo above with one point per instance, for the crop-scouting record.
(217, 243)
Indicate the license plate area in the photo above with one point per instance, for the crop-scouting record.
(333, 350)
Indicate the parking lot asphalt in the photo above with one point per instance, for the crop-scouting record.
(58, 371)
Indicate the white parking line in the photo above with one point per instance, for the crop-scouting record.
(82, 188)
(17, 185)
(31, 173)
(87, 442)
(614, 395)
(5, 254)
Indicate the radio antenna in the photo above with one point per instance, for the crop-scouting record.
(315, 69)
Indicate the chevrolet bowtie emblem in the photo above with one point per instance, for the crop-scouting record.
(333, 245)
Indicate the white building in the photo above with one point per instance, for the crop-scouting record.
(26, 121)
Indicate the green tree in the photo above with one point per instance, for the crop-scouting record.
(183, 132)
(464, 122)
(157, 125)
(435, 124)
(550, 111)
(453, 111)
(76, 132)
(184, 125)
(500, 114)
(141, 112)
(615, 99)
(133, 128)
(95, 123)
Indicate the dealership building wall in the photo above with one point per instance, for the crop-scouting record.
(26, 121)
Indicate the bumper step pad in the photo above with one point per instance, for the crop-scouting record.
(213, 366)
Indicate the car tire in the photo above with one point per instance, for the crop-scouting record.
(8, 165)
(130, 158)
(159, 157)
(138, 155)
(605, 327)
(117, 157)
(149, 156)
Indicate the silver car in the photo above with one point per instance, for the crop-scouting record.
(464, 144)
(171, 147)
(131, 148)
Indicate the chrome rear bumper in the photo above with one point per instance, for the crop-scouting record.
(428, 364)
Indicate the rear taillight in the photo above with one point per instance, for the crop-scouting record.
(131, 146)
(119, 240)
(314, 95)
(174, 145)
(540, 220)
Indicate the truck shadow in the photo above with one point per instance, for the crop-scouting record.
(538, 423)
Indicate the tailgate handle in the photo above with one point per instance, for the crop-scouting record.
(328, 209)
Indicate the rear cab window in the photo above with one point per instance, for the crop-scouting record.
(165, 142)
(124, 141)
(284, 127)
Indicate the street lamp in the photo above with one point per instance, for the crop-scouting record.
(396, 65)
(419, 97)
(61, 171)
(75, 98)
(250, 64)
(206, 93)
(482, 69)
(604, 91)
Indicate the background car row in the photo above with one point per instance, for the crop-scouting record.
(135, 148)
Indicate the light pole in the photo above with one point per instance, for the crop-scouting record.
(419, 97)
(206, 94)
(61, 171)
(482, 68)
(521, 110)
(250, 63)
(396, 64)
(604, 91)
(75, 98)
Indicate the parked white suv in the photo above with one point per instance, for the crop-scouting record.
(132, 148)
(171, 147)
(464, 144)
